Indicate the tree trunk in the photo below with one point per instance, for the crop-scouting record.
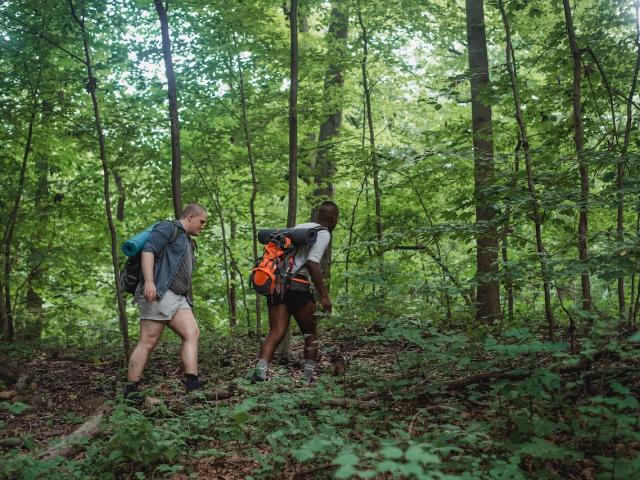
(91, 88)
(254, 182)
(535, 204)
(623, 162)
(225, 257)
(4, 315)
(488, 290)
(324, 165)
(285, 350)
(8, 327)
(38, 253)
(176, 169)
(293, 117)
(233, 296)
(375, 167)
(122, 196)
(578, 136)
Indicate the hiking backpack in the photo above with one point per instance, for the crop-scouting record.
(273, 273)
(131, 273)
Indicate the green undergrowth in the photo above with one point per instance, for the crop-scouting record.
(557, 415)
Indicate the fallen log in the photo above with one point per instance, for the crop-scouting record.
(70, 444)
(482, 377)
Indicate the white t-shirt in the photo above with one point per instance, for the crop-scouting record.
(313, 253)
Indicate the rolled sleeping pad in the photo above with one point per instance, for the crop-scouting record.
(299, 236)
(134, 245)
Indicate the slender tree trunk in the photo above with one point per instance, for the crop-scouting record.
(578, 136)
(535, 203)
(91, 88)
(293, 117)
(254, 182)
(233, 300)
(508, 275)
(38, 253)
(623, 162)
(488, 290)
(372, 138)
(8, 327)
(225, 248)
(176, 158)
(285, 350)
(122, 196)
(4, 315)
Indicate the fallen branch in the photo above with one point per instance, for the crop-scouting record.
(351, 402)
(69, 444)
(481, 377)
(306, 472)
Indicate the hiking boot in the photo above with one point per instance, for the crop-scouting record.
(192, 382)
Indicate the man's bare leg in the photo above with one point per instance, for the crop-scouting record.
(150, 332)
(185, 325)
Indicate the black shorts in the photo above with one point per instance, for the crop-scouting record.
(294, 300)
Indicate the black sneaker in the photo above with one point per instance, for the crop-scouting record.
(132, 394)
(190, 383)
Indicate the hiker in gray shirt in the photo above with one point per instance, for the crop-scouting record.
(164, 296)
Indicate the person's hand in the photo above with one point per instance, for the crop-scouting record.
(150, 292)
(325, 303)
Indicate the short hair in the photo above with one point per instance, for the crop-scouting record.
(192, 209)
(327, 210)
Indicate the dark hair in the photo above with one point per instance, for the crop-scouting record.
(192, 209)
(327, 210)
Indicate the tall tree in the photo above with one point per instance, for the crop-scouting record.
(91, 87)
(373, 154)
(285, 350)
(330, 127)
(254, 181)
(578, 137)
(524, 143)
(622, 164)
(488, 290)
(172, 92)
(293, 116)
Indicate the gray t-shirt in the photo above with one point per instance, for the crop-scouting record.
(182, 281)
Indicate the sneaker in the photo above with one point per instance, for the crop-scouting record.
(191, 384)
(308, 381)
(255, 377)
(132, 394)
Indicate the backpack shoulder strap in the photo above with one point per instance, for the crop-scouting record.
(174, 233)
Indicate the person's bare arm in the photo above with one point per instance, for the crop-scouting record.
(316, 276)
(147, 261)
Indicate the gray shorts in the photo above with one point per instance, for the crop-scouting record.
(163, 309)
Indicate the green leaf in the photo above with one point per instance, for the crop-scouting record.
(392, 452)
(17, 408)
(347, 458)
(303, 454)
(345, 471)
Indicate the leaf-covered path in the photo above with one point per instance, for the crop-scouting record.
(374, 413)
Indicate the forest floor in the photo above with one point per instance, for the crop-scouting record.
(371, 407)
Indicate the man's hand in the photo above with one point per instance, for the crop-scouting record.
(325, 303)
(150, 292)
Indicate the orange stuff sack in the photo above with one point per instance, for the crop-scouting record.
(271, 273)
